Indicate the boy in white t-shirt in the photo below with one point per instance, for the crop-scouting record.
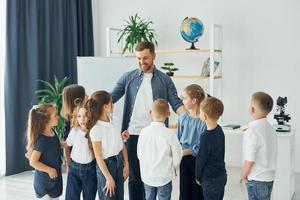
(159, 152)
(259, 149)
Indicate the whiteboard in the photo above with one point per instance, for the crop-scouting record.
(102, 73)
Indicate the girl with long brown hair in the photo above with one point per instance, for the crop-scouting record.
(82, 170)
(70, 95)
(109, 149)
(43, 151)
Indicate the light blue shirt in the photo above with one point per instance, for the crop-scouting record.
(189, 131)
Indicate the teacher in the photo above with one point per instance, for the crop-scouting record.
(141, 87)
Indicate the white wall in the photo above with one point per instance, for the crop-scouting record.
(260, 44)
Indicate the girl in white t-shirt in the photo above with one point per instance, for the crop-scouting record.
(82, 170)
(109, 149)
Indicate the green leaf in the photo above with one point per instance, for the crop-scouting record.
(53, 94)
(136, 30)
(47, 84)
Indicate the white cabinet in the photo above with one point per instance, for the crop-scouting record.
(284, 185)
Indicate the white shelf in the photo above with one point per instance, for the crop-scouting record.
(212, 51)
(190, 77)
(168, 51)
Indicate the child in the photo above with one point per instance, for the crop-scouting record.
(159, 152)
(70, 95)
(210, 165)
(82, 170)
(259, 149)
(108, 147)
(43, 151)
(190, 127)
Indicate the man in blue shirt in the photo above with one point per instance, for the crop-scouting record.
(141, 87)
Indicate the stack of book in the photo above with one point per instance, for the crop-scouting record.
(205, 69)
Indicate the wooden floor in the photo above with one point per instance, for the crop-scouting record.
(20, 187)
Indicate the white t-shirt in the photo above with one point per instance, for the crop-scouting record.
(260, 146)
(107, 133)
(159, 152)
(81, 152)
(140, 117)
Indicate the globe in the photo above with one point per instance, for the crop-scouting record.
(191, 30)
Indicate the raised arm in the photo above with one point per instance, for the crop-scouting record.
(119, 89)
(174, 100)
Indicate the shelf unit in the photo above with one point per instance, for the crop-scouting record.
(212, 51)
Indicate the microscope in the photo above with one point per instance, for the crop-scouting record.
(281, 117)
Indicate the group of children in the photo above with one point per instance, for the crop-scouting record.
(97, 156)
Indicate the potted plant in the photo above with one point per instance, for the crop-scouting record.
(170, 68)
(136, 30)
(53, 94)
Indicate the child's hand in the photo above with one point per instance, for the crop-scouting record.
(63, 144)
(109, 187)
(52, 173)
(126, 171)
(244, 179)
(186, 152)
(125, 135)
(244, 127)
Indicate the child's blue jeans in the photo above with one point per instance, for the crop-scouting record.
(259, 190)
(115, 167)
(81, 177)
(162, 192)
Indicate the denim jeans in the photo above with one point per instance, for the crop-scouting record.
(81, 177)
(115, 167)
(162, 192)
(213, 189)
(259, 190)
(135, 183)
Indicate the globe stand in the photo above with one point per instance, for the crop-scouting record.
(192, 47)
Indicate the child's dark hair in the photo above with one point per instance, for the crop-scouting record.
(213, 107)
(263, 101)
(72, 95)
(38, 117)
(195, 91)
(95, 106)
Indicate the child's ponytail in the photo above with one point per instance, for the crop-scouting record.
(94, 107)
(38, 118)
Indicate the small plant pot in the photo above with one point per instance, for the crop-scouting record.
(170, 73)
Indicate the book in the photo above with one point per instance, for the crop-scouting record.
(231, 126)
(206, 70)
